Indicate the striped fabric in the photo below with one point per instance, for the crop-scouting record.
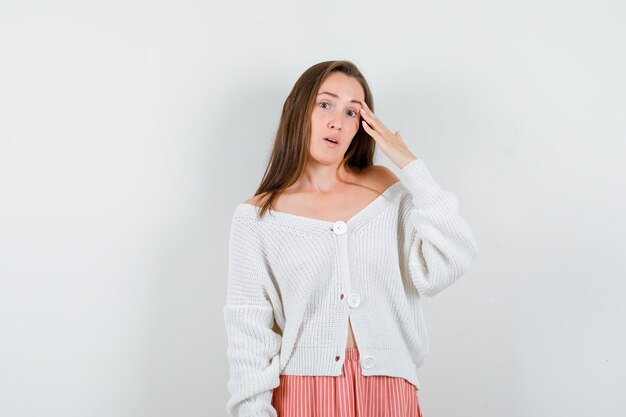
(349, 395)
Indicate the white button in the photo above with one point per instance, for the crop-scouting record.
(340, 227)
(354, 300)
(367, 362)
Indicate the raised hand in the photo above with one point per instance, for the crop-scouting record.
(390, 143)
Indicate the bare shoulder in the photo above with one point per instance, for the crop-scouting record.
(378, 177)
(255, 201)
(381, 176)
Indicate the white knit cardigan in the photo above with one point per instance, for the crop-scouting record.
(293, 281)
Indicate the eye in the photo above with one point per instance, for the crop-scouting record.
(352, 113)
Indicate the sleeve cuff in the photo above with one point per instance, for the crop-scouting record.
(417, 175)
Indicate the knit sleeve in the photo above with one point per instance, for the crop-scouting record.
(442, 244)
(253, 345)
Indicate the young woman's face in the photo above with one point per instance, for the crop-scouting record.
(335, 115)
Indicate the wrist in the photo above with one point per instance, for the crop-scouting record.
(406, 160)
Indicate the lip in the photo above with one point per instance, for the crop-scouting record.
(330, 144)
(332, 136)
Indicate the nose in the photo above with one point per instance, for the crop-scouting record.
(334, 125)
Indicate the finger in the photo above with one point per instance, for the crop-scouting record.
(369, 130)
(369, 116)
(375, 122)
(369, 112)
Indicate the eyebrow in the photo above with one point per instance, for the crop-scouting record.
(336, 96)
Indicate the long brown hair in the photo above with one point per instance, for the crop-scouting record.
(290, 151)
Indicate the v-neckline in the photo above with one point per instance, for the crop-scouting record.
(352, 220)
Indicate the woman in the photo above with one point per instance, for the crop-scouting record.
(323, 311)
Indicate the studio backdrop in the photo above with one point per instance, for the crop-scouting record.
(130, 130)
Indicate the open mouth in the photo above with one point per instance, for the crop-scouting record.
(331, 140)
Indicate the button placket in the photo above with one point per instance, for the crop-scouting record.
(354, 300)
(367, 362)
(340, 227)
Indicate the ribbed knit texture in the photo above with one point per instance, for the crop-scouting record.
(293, 281)
(349, 395)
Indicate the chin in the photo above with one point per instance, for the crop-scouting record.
(326, 160)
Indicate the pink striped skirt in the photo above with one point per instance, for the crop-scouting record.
(349, 395)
